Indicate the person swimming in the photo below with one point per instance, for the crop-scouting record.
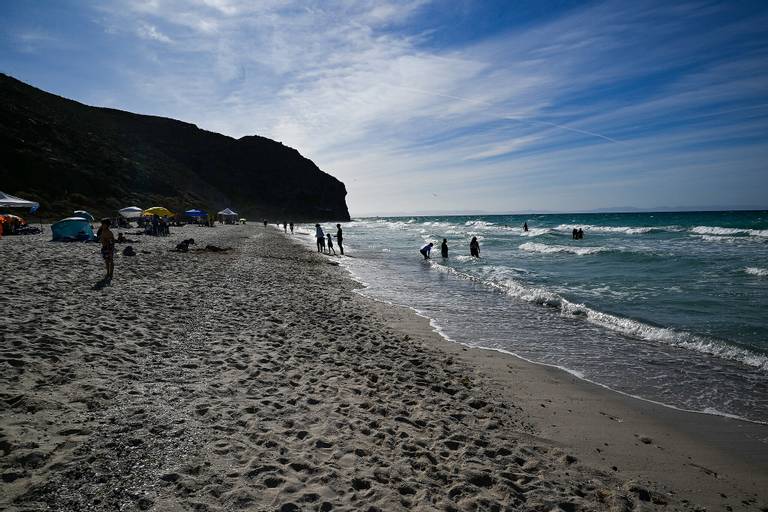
(444, 248)
(474, 247)
(426, 250)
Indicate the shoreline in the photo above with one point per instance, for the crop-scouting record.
(732, 451)
(440, 332)
(258, 378)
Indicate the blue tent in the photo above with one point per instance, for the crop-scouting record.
(72, 228)
(195, 213)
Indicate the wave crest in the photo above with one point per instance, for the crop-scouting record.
(756, 271)
(554, 249)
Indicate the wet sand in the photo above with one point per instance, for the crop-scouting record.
(257, 379)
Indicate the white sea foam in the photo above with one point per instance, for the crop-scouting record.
(716, 230)
(637, 230)
(756, 271)
(553, 249)
(634, 328)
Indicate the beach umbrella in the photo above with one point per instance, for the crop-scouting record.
(131, 212)
(159, 211)
(9, 201)
(84, 214)
(195, 213)
(228, 213)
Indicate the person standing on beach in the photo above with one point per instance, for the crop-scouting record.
(285, 227)
(320, 237)
(330, 245)
(474, 247)
(426, 250)
(107, 239)
(444, 248)
(291, 225)
(265, 223)
(340, 238)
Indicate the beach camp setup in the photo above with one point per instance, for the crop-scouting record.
(159, 211)
(9, 201)
(84, 214)
(72, 228)
(228, 216)
(131, 212)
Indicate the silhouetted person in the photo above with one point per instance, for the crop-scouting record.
(107, 240)
(330, 245)
(575, 234)
(265, 223)
(444, 248)
(474, 247)
(426, 250)
(291, 225)
(285, 227)
(525, 227)
(340, 238)
(581, 233)
(320, 237)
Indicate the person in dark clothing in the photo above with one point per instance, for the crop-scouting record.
(320, 237)
(525, 227)
(444, 248)
(285, 227)
(581, 234)
(291, 226)
(426, 250)
(474, 247)
(265, 223)
(330, 245)
(575, 234)
(340, 238)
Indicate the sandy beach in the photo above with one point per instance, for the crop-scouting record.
(257, 379)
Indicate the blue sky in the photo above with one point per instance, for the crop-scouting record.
(452, 105)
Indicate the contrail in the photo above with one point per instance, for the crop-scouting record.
(510, 117)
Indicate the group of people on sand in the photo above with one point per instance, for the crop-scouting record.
(326, 241)
(286, 225)
(474, 249)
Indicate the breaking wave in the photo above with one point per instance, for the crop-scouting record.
(554, 249)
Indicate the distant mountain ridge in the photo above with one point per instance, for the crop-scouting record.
(69, 156)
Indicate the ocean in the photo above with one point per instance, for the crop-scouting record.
(667, 307)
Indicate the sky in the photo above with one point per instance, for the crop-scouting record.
(451, 105)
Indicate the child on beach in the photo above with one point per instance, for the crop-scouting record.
(107, 240)
(330, 245)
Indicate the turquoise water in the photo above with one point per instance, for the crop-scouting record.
(669, 307)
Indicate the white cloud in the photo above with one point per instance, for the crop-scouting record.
(381, 111)
(147, 31)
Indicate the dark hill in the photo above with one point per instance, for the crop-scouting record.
(70, 156)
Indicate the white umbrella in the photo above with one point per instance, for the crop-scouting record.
(131, 212)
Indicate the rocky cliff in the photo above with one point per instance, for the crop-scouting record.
(70, 156)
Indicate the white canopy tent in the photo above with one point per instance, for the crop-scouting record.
(228, 216)
(9, 201)
(131, 212)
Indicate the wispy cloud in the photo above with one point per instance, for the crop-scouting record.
(147, 31)
(605, 96)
